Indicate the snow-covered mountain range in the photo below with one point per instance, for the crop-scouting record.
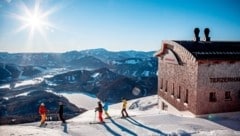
(128, 63)
(32, 78)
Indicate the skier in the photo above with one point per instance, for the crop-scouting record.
(99, 109)
(43, 113)
(124, 106)
(60, 113)
(105, 107)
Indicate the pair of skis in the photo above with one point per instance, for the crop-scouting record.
(96, 122)
(125, 117)
(43, 125)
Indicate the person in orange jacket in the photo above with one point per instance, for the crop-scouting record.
(43, 113)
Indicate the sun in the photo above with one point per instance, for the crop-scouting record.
(34, 19)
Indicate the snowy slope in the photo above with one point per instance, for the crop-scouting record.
(81, 100)
(149, 121)
(26, 130)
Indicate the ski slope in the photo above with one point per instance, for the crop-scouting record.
(146, 120)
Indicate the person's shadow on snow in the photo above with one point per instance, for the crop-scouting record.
(134, 122)
(110, 130)
(123, 128)
(65, 127)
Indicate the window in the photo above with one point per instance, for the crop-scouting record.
(164, 106)
(166, 86)
(239, 94)
(172, 89)
(179, 92)
(186, 97)
(212, 97)
(161, 85)
(228, 95)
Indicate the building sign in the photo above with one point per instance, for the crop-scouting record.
(170, 57)
(224, 79)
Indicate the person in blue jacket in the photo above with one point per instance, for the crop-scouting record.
(105, 108)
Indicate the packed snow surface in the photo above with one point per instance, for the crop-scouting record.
(145, 120)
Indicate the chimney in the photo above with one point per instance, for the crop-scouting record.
(206, 33)
(196, 33)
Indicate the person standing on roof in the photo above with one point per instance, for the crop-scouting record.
(43, 113)
(124, 107)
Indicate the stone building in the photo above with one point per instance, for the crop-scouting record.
(202, 77)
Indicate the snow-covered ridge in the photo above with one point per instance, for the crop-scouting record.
(146, 120)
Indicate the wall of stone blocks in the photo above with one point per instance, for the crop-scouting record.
(194, 75)
(226, 72)
(183, 75)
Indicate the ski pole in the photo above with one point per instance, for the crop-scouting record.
(94, 120)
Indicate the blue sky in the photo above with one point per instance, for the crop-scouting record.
(112, 24)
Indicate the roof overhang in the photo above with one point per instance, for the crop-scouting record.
(166, 54)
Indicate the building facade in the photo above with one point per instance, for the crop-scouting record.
(202, 77)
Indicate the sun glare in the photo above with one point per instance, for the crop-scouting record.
(34, 19)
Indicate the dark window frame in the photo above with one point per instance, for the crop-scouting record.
(161, 84)
(166, 86)
(212, 97)
(239, 94)
(228, 96)
(179, 92)
(186, 96)
(172, 89)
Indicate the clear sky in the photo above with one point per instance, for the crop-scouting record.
(64, 25)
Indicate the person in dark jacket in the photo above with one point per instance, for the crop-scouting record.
(60, 112)
(100, 110)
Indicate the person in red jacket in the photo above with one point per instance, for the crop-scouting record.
(43, 113)
(100, 110)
